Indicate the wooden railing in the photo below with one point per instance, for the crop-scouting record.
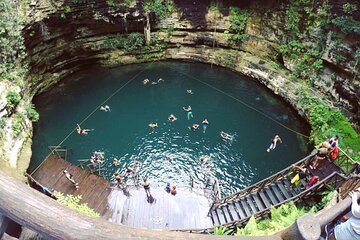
(260, 185)
(351, 184)
(216, 190)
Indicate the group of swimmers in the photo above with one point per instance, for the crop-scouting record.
(146, 81)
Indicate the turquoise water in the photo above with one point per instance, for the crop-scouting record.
(123, 133)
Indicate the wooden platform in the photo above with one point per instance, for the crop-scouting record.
(186, 210)
(94, 190)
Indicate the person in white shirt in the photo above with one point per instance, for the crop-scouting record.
(349, 230)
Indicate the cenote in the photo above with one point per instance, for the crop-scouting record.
(219, 95)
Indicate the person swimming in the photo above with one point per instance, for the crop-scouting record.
(145, 81)
(172, 118)
(205, 124)
(105, 108)
(152, 126)
(274, 142)
(194, 127)
(116, 162)
(204, 158)
(82, 131)
(226, 136)
(189, 91)
(189, 112)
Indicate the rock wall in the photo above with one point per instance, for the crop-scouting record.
(65, 36)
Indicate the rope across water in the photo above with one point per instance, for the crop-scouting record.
(92, 112)
(242, 102)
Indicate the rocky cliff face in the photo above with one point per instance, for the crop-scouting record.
(65, 36)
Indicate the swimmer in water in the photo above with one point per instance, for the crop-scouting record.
(172, 118)
(82, 131)
(189, 112)
(189, 91)
(152, 126)
(203, 159)
(274, 142)
(105, 108)
(145, 81)
(226, 136)
(194, 127)
(205, 124)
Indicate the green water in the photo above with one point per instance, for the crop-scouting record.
(123, 133)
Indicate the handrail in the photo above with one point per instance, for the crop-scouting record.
(216, 189)
(259, 185)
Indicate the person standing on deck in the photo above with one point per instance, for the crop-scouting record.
(70, 177)
(274, 142)
(146, 185)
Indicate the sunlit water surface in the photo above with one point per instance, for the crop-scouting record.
(123, 133)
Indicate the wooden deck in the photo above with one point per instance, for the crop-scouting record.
(186, 210)
(93, 189)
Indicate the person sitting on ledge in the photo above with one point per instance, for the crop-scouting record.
(320, 156)
(70, 177)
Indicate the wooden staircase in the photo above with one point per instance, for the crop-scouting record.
(256, 200)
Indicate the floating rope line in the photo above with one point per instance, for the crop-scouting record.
(91, 113)
(242, 102)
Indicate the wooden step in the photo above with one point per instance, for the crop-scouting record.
(221, 216)
(297, 187)
(227, 214)
(214, 218)
(245, 206)
(233, 211)
(290, 188)
(273, 199)
(277, 192)
(253, 208)
(240, 210)
(259, 203)
(264, 199)
(283, 190)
